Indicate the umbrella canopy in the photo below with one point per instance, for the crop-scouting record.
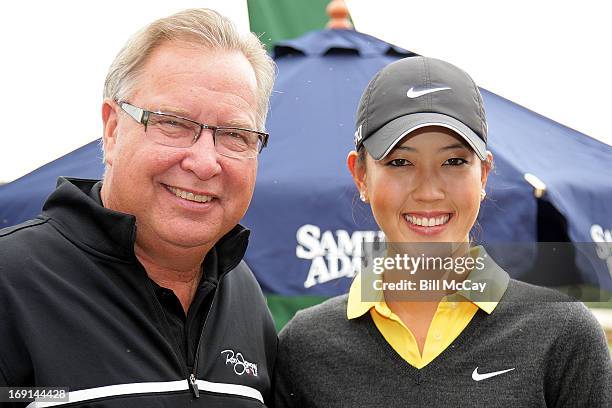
(23, 198)
(308, 225)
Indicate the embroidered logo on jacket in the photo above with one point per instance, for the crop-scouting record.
(241, 366)
(476, 376)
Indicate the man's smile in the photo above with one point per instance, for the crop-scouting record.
(190, 195)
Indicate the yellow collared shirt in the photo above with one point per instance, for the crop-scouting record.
(449, 320)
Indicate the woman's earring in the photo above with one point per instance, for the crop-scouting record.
(362, 196)
(483, 194)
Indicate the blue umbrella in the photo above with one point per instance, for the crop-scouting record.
(23, 198)
(307, 224)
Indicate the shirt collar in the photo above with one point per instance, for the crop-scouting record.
(496, 278)
(493, 275)
(355, 307)
(75, 208)
(210, 276)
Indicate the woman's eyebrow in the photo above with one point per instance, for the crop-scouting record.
(453, 147)
(449, 147)
(407, 148)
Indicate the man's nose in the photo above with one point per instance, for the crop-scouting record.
(202, 157)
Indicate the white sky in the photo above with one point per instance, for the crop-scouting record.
(55, 55)
(550, 56)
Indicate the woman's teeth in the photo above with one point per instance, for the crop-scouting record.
(427, 222)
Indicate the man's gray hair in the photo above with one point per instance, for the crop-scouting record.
(203, 27)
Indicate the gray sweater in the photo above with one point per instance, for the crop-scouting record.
(554, 349)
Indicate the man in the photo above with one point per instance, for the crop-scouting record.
(132, 291)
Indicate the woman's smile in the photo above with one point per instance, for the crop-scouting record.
(428, 223)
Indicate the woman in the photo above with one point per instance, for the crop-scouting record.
(421, 163)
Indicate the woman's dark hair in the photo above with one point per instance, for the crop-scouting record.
(361, 156)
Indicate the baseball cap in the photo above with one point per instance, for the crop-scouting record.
(415, 92)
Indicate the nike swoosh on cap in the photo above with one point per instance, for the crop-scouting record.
(476, 376)
(412, 93)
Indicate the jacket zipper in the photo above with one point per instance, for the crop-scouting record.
(159, 309)
(193, 376)
(193, 385)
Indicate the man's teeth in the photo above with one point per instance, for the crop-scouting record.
(187, 195)
(428, 222)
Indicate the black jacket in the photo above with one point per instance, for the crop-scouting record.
(78, 310)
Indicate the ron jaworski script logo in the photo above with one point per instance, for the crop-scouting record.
(241, 366)
(603, 240)
(333, 254)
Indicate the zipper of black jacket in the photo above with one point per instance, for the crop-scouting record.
(193, 385)
(193, 375)
(191, 379)
(158, 307)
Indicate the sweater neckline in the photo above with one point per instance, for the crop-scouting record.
(419, 375)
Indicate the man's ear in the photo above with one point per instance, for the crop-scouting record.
(109, 121)
(358, 171)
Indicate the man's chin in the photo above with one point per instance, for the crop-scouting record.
(194, 242)
(188, 237)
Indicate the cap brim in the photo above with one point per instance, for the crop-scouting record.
(386, 138)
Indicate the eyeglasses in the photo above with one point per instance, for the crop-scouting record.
(175, 131)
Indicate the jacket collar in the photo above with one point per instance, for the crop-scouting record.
(76, 210)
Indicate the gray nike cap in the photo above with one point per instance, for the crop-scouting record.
(415, 92)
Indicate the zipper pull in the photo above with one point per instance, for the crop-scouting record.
(193, 385)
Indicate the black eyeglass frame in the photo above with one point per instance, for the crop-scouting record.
(141, 116)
